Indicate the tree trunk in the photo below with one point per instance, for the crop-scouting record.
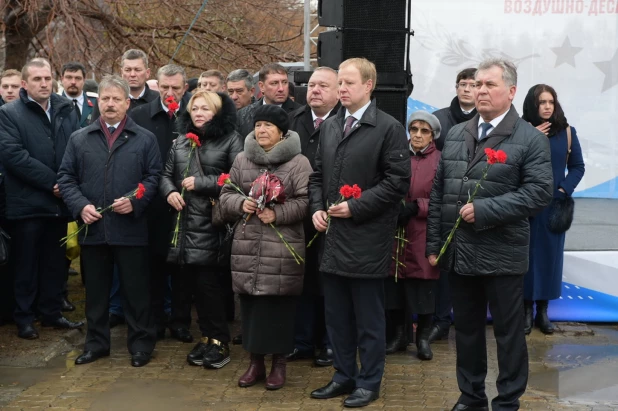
(16, 52)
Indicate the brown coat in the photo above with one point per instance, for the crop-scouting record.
(261, 264)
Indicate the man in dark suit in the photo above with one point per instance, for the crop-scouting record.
(156, 117)
(134, 69)
(322, 103)
(488, 256)
(34, 131)
(273, 82)
(365, 146)
(73, 78)
(103, 163)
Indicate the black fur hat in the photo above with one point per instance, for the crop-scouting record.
(273, 114)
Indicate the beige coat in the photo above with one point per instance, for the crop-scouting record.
(261, 264)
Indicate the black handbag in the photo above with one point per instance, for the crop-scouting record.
(562, 209)
(5, 246)
(226, 238)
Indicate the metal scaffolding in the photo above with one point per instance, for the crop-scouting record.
(310, 36)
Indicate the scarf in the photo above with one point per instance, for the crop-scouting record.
(459, 115)
(531, 113)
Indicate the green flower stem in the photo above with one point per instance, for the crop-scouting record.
(182, 194)
(291, 249)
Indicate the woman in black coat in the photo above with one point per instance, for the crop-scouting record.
(212, 117)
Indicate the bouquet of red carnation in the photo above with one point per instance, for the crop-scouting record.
(138, 193)
(493, 157)
(172, 105)
(195, 143)
(267, 190)
(346, 191)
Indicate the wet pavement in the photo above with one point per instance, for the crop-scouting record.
(571, 371)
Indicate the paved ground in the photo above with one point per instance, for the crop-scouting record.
(572, 372)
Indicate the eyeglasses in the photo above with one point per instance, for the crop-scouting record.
(466, 85)
(424, 131)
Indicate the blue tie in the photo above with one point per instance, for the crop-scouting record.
(485, 128)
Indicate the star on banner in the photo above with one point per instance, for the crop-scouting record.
(610, 69)
(566, 53)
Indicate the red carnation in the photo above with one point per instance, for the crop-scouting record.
(140, 191)
(89, 103)
(170, 99)
(194, 138)
(500, 156)
(346, 191)
(356, 191)
(173, 107)
(223, 178)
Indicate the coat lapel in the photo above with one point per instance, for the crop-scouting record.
(306, 122)
(86, 111)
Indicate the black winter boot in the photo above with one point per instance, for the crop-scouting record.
(422, 337)
(399, 341)
(541, 320)
(528, 318)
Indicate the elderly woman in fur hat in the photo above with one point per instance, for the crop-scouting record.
(265, 275)
(413, 292)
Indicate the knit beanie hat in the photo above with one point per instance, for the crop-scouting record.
(273, 114)
(428, 118)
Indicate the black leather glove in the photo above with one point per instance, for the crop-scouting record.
(406, 212)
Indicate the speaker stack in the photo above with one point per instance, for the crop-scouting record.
(377, 30)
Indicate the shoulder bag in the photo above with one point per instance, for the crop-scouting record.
(562, 209)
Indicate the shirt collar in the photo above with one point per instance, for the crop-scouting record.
(140, 94)
(113, 125)
(264, 103)
(324, 117)
(493, 122)
(80, 98)
(466, 111)
(422, 150)
(358, 114)
(167, 110)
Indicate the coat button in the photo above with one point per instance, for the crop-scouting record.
(311, 141)
(465, 179)
(459, 203)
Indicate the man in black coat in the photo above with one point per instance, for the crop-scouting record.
(34, 131)
(361, 145)
(461, 109)
(322, 103)
(134, 69)
(488, 256)
(158, 119)
(103, 165)
(273, 82)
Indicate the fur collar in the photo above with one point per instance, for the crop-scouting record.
(221, 125)
(281, 153)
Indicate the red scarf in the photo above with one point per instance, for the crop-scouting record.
(111, 138)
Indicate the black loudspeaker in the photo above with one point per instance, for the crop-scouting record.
(300, 94)
(363, 14)
(393, 101)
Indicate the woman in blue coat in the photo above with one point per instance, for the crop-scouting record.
(543, 282)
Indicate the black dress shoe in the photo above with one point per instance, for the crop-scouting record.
(324, 358)
(331, 390)
(237, 340)
(463, 407)
(360, 397)
(160, 333)
(298, 355)
(115, 320)
(181, 334)
(66, 306)
(90, 356)
(140, 358)
(63, 323)
(438, 333)
(27, 332)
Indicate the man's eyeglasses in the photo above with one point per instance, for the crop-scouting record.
(466, 85)
(424, 131)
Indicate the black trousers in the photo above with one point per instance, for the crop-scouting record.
(355, 318)
(7, 298)
(442, 316)
(159, 271)
(40, 268)
(132, 263)
(309, 326)
(504, 294)
(202, 285)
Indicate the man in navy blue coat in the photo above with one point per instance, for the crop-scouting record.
(34, 131)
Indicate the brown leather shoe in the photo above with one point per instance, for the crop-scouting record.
(276, 379)
(256, 371)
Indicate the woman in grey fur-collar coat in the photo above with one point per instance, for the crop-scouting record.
(264, 273)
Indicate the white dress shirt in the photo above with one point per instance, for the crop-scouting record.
(48, 111)
(358, 114)
(493, 122)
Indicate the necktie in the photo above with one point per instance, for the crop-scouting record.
(76, 104)
(111, 130)
(484, 129)
(170, 114)
(317, 122)
(348, 125)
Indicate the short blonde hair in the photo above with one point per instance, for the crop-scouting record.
(212, 99)
(366, 68)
